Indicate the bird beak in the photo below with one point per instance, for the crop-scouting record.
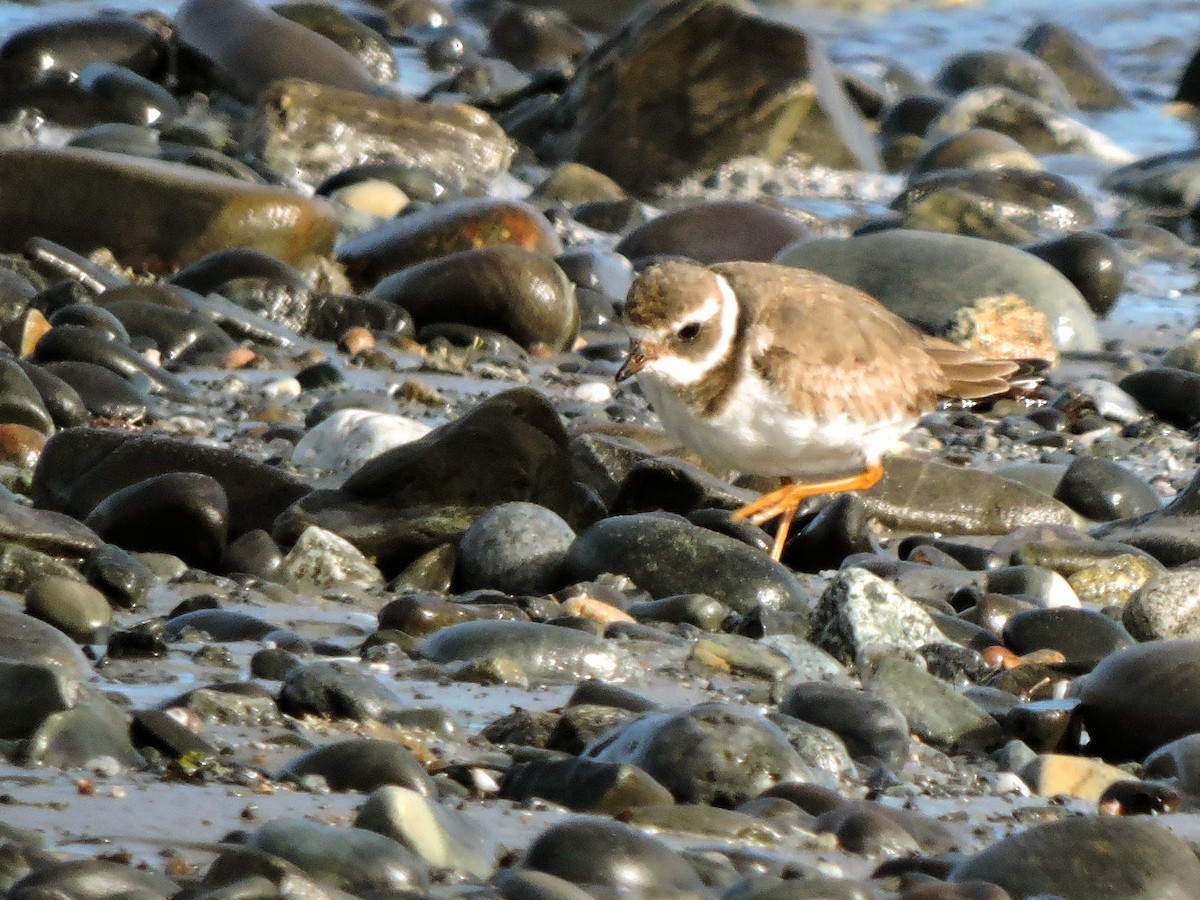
(640, 356)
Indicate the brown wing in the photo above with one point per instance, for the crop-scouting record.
(831, 347)
(970, 376)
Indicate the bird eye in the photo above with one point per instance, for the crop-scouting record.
(689, 332)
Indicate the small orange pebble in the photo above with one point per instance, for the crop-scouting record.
(1045, 657)
(85, 787)
(239, 358)
(177, 867)
(356, 340)
(1000, 657)
(596, 610)
(32, 328)
(20, 444)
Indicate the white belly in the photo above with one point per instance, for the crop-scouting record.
(759, 434)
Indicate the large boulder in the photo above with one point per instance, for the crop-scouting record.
(690, 84)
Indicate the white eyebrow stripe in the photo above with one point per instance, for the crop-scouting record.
(687, 372)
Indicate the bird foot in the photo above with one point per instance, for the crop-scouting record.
(783, 502)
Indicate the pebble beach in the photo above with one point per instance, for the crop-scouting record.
(334, 562)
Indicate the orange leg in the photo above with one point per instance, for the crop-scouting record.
(782, 503)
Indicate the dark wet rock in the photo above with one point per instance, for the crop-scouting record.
(1083, 636)
(922, 495)
(1015, 69)
(45, 531)
(252, 46)
(419, 614)
(574, 184)
(61, 400)
(861, 614)
(1006, 200)
(1188, 90)
(585, 785)
(1041, 128)
(320, 560)
(445, 229)
(581, 724)
(151, 213)
(273, 663)
(701, 610)
(596, 851)
(599, 693)
(532, 38)
(68, 45)
(215, 271)
(20, 401)
(358, 39)
(219, 625)
(692, 114)
(164, 733)
(444, 837)
(235, 702)
(360, 764)
(133, 98)
(517, 548)
(102, 392)
(739, 654)
(90, 733)
(975, 148)
(928, 278)
(1171, 394)
(80, 468)
(1178, 760)
(1088, 856)
(873, 730)
(88, 315)
(337, 691)
(239, 869)
(1034, 584)
(936, 713)
(937, 204)
(179, 335)
(821, 749)
(712, 753)
(673, 485)
(26, 641)
(1092, 261)
(297, 122)
(666, 556)
(511, 447)
(123, 578)
(540, 651)
(1103, 490)
(864, 828)
(72, 606)
(1166, 606)
(717, 231)
(183, 513)
(1080, 65)
(254, 553)
(1047, 727)
(350, 859)
(146, 640)
(1140, 698)
(1170, 534)
(520, 293)
(1169, 179)
(91, 879)
(598, 269)
(32, 691)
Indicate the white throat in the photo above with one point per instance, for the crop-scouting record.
(686, 372)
